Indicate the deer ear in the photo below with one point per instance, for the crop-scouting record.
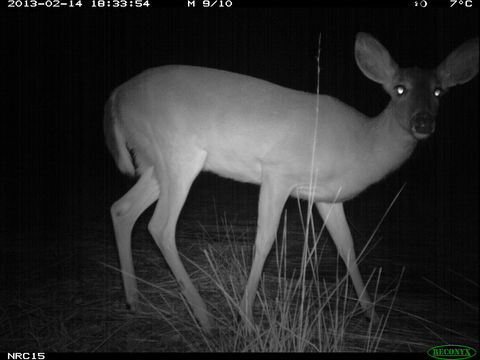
(460, 66)
(374, 60)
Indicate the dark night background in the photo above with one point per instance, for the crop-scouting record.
(62, 65)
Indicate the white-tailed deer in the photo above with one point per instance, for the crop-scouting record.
(169, 123)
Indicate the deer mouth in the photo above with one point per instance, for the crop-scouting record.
(422, 133)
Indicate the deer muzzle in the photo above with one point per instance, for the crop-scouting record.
(423, 125)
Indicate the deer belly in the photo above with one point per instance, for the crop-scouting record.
(240, 167)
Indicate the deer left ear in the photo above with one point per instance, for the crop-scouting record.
(460, 66)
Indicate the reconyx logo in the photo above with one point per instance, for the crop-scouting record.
(446, 352)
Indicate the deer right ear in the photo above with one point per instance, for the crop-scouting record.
(460, 66)
(374, 60)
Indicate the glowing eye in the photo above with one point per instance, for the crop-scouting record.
(400, 90)
(437, 92)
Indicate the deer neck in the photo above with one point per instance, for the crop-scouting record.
(392, 143)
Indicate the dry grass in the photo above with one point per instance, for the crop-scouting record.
(70, 300)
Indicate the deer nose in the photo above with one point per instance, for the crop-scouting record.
(423, 123)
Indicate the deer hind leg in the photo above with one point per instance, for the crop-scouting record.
(273, 194)
(334, 217)
(175, 178)
(125, 213)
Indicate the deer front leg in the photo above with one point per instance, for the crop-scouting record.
(334, 217)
